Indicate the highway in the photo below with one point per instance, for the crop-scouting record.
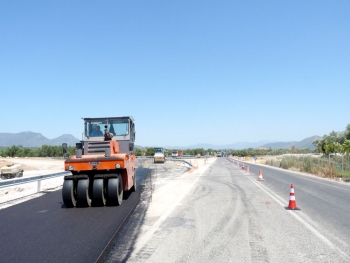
(216, 213)
(220, 213)
(324, 203)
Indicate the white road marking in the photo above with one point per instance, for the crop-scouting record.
(281, 201)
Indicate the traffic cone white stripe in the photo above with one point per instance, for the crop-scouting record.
(292, 190)
(292, 198)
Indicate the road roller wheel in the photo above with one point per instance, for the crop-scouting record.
(115, 190)
(83, 198)
(98, 193)
(68, 194)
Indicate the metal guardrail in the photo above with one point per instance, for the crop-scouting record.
(179, 160)
(170, 159)
(25, 180)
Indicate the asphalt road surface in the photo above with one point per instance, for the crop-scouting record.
(219, 213)
(43, 230)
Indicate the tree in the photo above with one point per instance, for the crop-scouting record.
(347, 133)
(337, 147)
(328, 147)
(138, 152)
(346, 148)
(12, 151)
(150, 151)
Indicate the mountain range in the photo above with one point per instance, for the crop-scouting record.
(32, 139)
(237, 145)
(303, 144)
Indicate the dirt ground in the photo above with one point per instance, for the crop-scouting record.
(32, 166)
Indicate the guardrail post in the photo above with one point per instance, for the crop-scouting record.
(38, 187)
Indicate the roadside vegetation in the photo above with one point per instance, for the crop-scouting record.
(334, 161)
(334, 167)
(44, 151)
(267, 152)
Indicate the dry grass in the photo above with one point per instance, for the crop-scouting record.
(260, 160)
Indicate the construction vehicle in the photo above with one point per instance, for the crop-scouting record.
(176, 154)
(103, 167)
(11, 171)
(159, 155)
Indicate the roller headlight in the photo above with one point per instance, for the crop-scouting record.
(70, 168)
(117, 165)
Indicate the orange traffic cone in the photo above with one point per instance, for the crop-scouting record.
(247, 171)
(260, 178)
(292, 204)
(242, 166)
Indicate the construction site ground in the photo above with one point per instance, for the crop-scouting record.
(31, 166)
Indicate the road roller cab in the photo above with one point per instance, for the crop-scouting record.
(103, 166)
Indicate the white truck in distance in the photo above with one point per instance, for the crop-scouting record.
(176, 154)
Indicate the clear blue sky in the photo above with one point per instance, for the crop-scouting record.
(189, 72)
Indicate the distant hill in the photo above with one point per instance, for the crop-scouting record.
(67, 138)
(235, 146)
(33, 139)
(304, 144)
